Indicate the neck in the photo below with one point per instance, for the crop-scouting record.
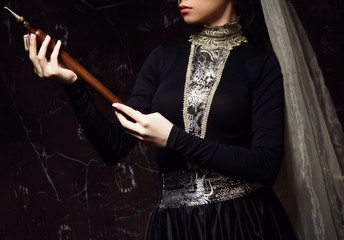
(214, 37)
(227, 15)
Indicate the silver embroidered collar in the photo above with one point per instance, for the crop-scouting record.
(227, 36)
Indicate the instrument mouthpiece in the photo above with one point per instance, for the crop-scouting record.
(16, 16)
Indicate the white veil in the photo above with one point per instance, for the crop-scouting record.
(310, 185)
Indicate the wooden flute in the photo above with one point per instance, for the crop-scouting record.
(66, 60)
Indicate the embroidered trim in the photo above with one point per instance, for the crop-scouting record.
(186, 88)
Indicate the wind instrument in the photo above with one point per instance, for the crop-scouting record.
(67, 61)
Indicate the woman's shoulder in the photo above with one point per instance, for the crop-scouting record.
(258, 57)
(256, 52)
(173, 47)
(169, 51)
(260, 62)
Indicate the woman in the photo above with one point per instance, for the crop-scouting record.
(214, 109)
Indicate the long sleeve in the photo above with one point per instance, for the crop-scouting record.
(261, 162)
(110, 139)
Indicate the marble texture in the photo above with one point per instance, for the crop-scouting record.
(53, 184)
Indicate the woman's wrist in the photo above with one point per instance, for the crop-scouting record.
(70, 81)
(74, 78)
(72, 86)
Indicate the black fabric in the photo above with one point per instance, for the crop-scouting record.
(244, 139)
(255, 216)
(110, 140)
(246, 123)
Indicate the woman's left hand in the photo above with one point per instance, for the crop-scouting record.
(150, 128)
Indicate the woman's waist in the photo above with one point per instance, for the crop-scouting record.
(201, 186)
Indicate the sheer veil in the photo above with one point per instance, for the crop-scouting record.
(310, 184)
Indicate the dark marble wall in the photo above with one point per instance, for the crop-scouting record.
(52, 183)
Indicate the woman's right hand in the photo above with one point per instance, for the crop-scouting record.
(49, 69)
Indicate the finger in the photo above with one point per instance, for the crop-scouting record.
(32, 45)
(43, 52)
(33, 53)
(55, 53)
(129, 125)
(135, 115)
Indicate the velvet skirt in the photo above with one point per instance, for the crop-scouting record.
(258, 215)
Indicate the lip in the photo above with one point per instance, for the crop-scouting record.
(184, 9)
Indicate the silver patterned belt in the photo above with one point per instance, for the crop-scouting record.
(199, 187)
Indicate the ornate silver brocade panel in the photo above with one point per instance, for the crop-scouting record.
(206, 66)
(199, 187)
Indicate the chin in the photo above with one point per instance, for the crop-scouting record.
(190, 20)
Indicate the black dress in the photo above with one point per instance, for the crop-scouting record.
(243, 139)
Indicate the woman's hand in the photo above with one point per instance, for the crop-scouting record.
(150, 128)
(49, 69)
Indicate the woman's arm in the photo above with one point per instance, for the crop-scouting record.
(110, 140)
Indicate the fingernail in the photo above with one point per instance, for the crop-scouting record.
(32, 36)
(115, 105)
(116, 113)
(58, 42)
(47, 37)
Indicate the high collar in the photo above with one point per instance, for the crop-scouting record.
(226, 36)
